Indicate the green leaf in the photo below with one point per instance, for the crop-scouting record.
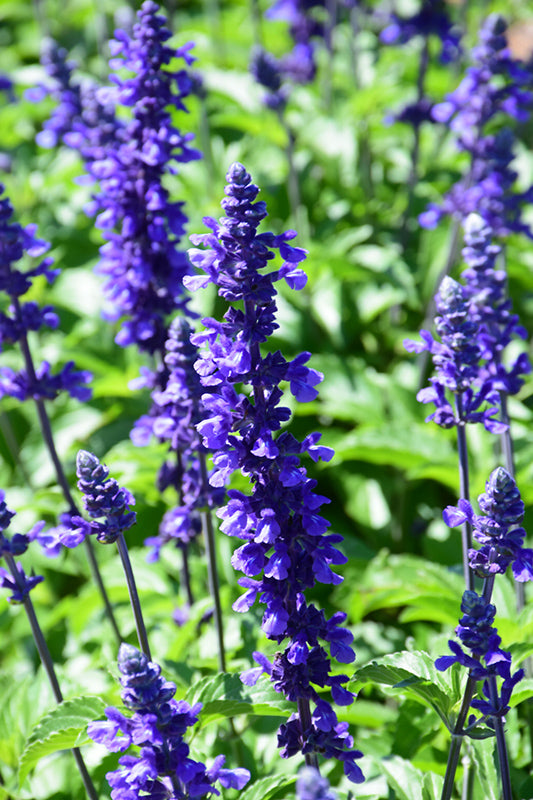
(404, 778)
(415, 674)
(62, 728)
(483, 754)
(225, 696)
(264, 788)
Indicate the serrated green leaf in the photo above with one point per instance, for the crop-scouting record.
(415, 674)
(264, 788)
(62, 728)
(226, 696)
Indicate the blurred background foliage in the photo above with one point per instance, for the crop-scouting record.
(372, 273)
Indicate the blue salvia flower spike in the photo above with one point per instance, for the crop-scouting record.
(141, 260)
(107, 504)
(498, 532)
(157, 723)
(456, 359)
(286, 547)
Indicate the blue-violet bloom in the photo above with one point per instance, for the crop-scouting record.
(286, 547)
(157, 724)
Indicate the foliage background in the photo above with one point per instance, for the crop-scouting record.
(371, 280)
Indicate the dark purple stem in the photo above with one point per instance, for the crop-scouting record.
(207, 524)
(304, 712)
(501, 744)
(462, 451)
(134, 596)
(48, 664)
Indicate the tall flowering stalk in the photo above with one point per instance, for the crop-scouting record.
(173, 416)
(20, 585)
(141, 260)
(456, 359)
(37, 383)
(286, 546)
(490, 306)
(496, 89)
(107, 504)
(431, 20)
(498, 532)
(157, 724)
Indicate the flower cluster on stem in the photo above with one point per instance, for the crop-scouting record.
(497, 529)
(456, 358)
(21, 318)
(491, 308)
(286, 547)
(485, 659)
(495, 86)
(157, 724)
(176, 410)
(141, 260)
(432, 20)
(11, 547)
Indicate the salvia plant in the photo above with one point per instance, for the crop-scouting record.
(181, 621)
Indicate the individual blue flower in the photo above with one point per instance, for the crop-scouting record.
(286, 548)
(156, 723)
(141, 260)
(12, 546)
(20, 587)
(456, 359)
(497, 529)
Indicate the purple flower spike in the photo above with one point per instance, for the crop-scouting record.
(175, 412)
(487, 659)
(141, 260)
(456, 358)
(102, 498)
(33, 382)
(431, 20)
(496, 88)
(157, 723)
(285, 547)
(490, 307)
(497, 529)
